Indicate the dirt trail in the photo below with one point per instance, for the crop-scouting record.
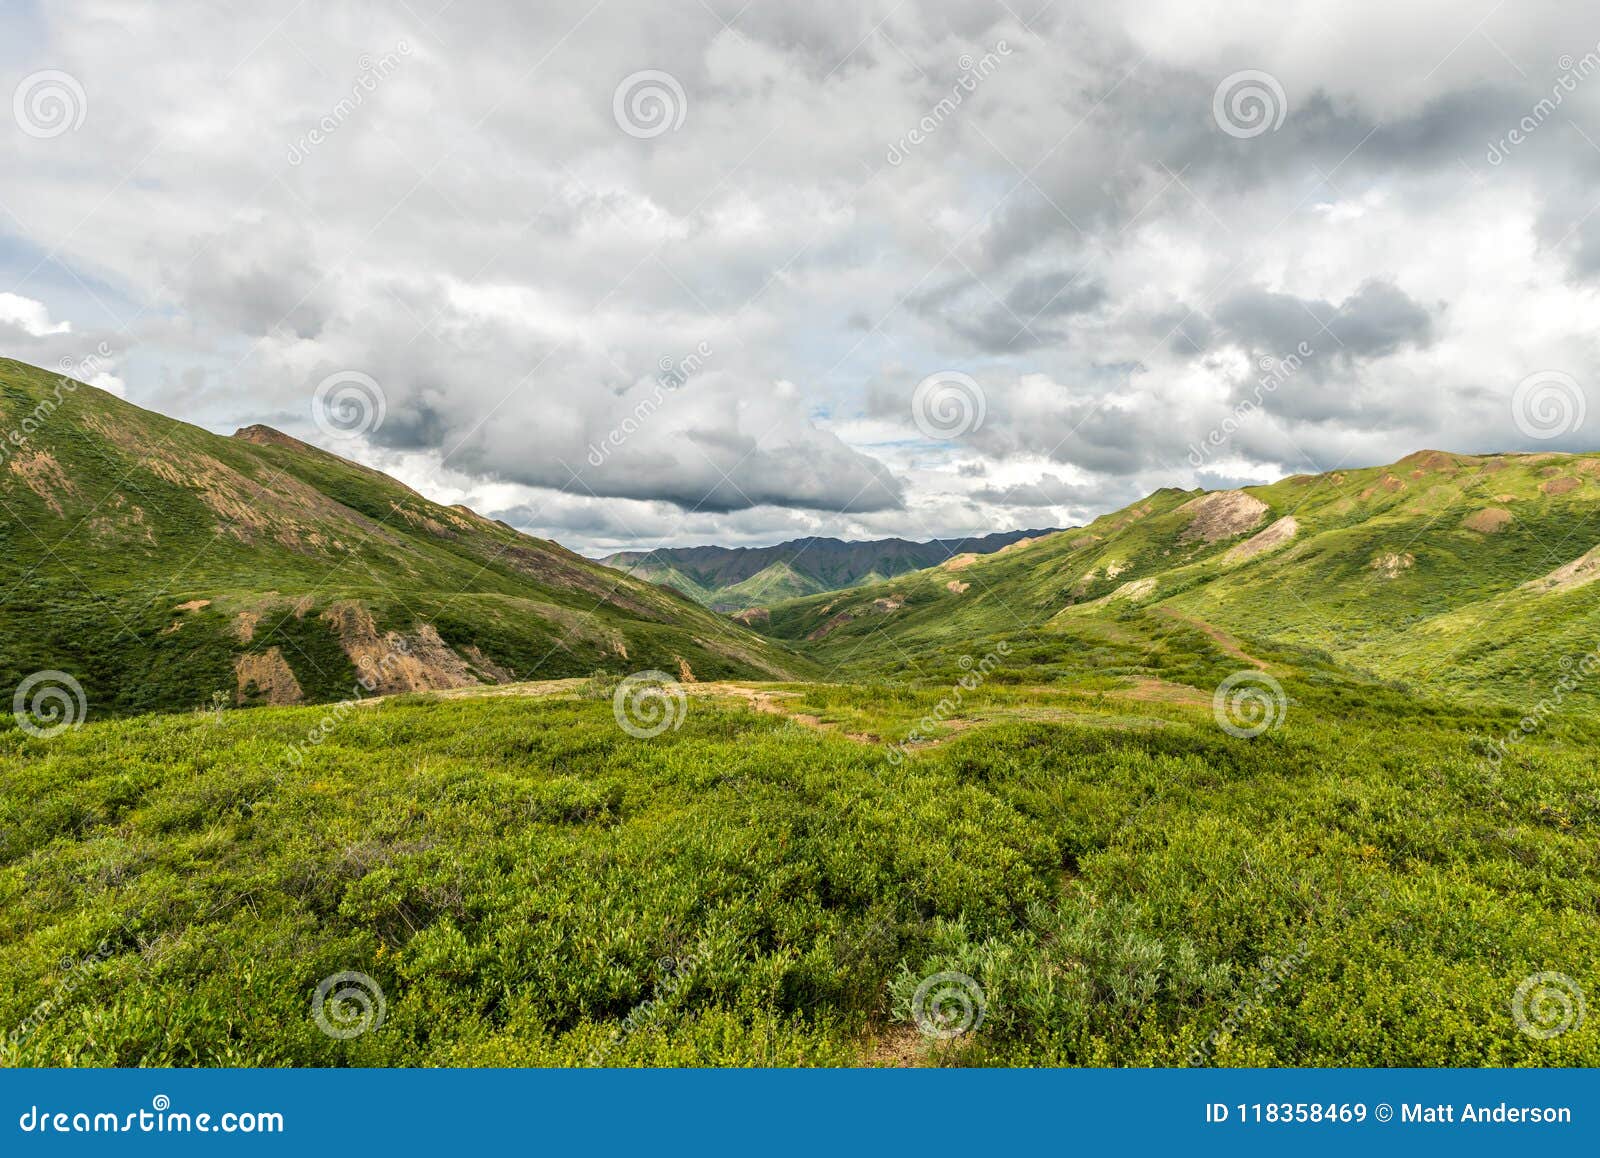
(1222, 639)
(770, 701)
(781, 701)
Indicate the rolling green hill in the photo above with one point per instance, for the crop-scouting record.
(1011, 776)
(1471, 574)
(162, 566)
(741, 578)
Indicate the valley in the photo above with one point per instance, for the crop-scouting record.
(1337, 731)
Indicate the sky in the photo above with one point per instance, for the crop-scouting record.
(630, 274)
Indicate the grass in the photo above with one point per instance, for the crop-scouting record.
(1003, 777)
(521, 878)
(113, 518)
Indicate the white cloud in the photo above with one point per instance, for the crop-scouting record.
(481, 238)
(31, 317)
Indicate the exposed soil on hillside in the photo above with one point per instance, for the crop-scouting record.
(1221, 515)
(266, 676)
(1391, 563)
(1488, 521)
(1582, 570)
(1274, 535)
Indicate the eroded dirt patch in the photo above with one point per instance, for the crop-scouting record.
(1275, 534)
(1221, 515)
(1489, 521)
(42, 474)
(266, 676)
(395, 662)
(1134, 589)
(1391, 563)
(1582, 570)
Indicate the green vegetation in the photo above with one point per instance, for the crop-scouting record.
(1006, 770)
(1466, 575)
(158, 564)
(515, 874)
(737, 578)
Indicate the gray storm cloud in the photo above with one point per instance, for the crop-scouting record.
(447, 200)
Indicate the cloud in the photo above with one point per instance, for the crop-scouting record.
(1374, 322)
(29, 316)
(1080, 236)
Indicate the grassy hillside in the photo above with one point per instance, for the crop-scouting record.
(1012, 773)
(1467, 574)
(1121, 881)
(739, 578)
(162, 566)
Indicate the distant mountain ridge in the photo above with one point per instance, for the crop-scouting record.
(736, 578)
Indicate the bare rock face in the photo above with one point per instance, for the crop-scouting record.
(392, 662)
(1221, 515)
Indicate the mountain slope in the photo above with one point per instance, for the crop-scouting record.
(735, 578)
(1468, 571)
(159, 564)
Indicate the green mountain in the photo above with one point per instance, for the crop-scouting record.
(160, 565)
(1012, 797)
(1472, 573)
(739, 578)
